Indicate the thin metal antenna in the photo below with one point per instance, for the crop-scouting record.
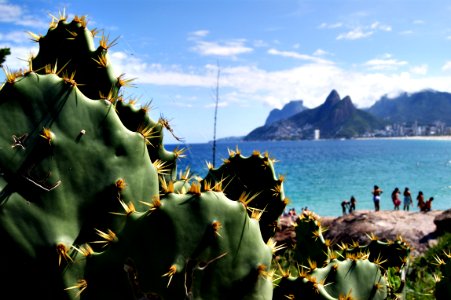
(216, 113)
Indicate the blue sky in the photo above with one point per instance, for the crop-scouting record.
(268, 52)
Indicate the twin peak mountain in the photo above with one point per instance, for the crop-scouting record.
(335, 118)
(339, 118)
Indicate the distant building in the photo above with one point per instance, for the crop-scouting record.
(316, 134)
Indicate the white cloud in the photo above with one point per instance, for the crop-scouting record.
(157, 74)
(330, 26)
(419, 70)
(260, 44)
(17, 37)
(447, 66)
(320, 52)
(354, 34)
(199, 33)
(379, 26)
(11, 13)
(296, 55)
(386, 62)
(249, 85)
(361, 32)
(18, 59)
(230, 48)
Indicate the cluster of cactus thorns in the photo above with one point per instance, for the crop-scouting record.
(316, 268)
(92, 207)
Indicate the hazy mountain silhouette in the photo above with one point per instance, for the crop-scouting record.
(335, 118)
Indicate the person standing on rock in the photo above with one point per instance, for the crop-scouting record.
(420, 200)
(376, 197)
(407, 199)
(344, 205)
(395, 198)
(352, 204)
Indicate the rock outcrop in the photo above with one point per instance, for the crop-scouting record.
(417, 228)
(443, 222)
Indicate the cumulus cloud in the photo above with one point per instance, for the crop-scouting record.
(15, 14)
(18, 59)
(321, 52)
(447, 66)
(199, 34)
(296, 55)
(230, 48)
(311, 82)
(419, 70)
(379, 26)
(330, 26)
(361, 32)
(354, 34)
(17, 37)
(385, 63)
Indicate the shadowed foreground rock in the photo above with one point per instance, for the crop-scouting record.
(417, 228)
(443, 221)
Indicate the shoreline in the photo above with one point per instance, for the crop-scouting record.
(425, 138)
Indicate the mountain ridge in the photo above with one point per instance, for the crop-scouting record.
(335, 118)
(403, 115)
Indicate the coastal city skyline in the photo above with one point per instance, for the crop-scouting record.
(267, 53)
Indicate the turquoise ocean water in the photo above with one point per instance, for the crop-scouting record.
(320, 174)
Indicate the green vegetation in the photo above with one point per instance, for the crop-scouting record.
(425, 270)
(3, 53)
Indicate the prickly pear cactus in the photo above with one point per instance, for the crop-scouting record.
(348, 279)
(68, 48)
(187, 246)
(310, 243)
(307, 269)
(81, 215)
(443, 282)
(252, 180)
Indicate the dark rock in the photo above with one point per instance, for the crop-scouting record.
(443, 222)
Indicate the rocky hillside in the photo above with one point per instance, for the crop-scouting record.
(424, 107)
(335, 118)
(289, 110)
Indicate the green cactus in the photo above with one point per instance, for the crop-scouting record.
(443, 281)
(68, 49)
(194, 245)
(73, 169)
(392, 255)
(137, 119)
(310, 243)
(252, 180)
(65, 161)
(348, 279)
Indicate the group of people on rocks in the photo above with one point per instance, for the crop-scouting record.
(406, 200)
(348, 205)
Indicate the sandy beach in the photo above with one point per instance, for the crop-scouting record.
(426, 138)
